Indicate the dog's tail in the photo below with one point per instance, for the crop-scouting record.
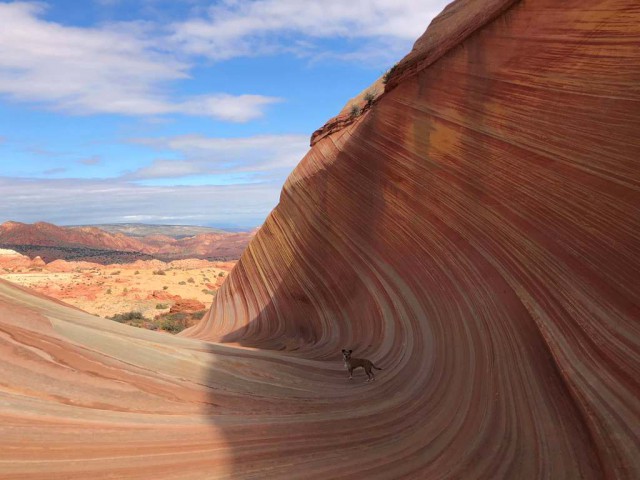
(377, 368)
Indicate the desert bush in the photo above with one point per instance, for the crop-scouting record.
(159, 272)
(161, 306)
(388, 73)
(221, 274)
(127, 316)
(198, 315)
(355, 111)
(108, 291)
(182, 283)
(117, 272)
(370, 96)
(191, 280)
(208, 292)
(137, 272)
(174, 322)
(165, 287)
(172, 327)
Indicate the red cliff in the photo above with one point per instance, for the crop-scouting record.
(477, 232)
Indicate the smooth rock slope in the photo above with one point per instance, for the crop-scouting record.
(476, 233)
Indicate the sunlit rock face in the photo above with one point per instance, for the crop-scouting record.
(477, 233)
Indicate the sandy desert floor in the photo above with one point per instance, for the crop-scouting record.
(148, 287)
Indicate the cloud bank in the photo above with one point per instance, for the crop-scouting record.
(270, 156)
(234, 28)
(77, 201)
(113, 69)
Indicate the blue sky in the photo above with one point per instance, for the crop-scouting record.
(181, 111)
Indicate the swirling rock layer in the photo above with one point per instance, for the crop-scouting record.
(475, 233)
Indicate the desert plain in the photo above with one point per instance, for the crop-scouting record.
(151, 287)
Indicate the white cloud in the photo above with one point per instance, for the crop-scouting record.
(240, 108)
(79, 201)
(114, 69)
(263, 155)
(246, 28)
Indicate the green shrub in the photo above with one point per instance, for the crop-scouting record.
(388, 73)
(127, 316)
(172, 327)
(198, 315)
(370, 96)
(174, 322)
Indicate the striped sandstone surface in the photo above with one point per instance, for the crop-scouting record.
(476, 233)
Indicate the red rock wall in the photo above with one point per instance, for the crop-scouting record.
(476, 233)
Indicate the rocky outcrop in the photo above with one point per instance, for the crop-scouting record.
(11, 261)
(186, 305)
(475, 233)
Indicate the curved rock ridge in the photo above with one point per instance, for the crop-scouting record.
(476, 233)
(456, 23)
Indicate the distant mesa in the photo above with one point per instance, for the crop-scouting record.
(122, 243)
(145, 230)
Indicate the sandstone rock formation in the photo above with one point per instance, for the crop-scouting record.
(48, 234)
(476, 233)
(186, 305)
(10, 261)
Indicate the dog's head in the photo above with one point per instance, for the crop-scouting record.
(346, 354)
